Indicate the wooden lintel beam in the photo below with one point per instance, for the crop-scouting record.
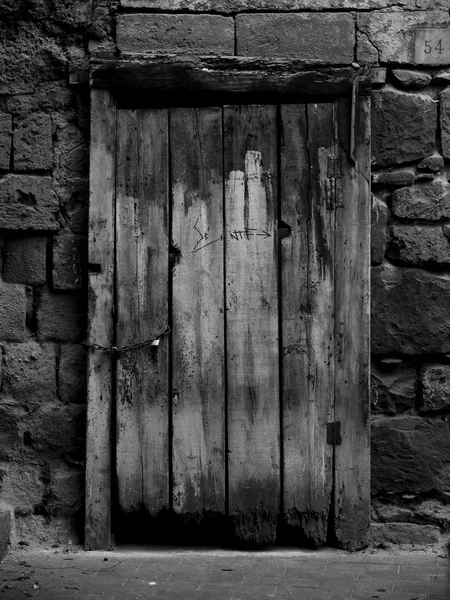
(225, 75)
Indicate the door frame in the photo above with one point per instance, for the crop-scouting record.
(115, 81)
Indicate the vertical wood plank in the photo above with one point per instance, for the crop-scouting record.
(101, 252)
(252, 320)
(352, 476)
(307, 274)
(142, 309)
(198, 406)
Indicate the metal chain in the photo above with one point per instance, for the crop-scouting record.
(114, 351)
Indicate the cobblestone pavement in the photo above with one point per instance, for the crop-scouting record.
(203, 574)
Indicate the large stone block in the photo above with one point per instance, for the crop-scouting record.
(419, 246)
(403, 127)
(29, 374)
(378, 230)
(60, 318)
(429, 201)
(69, 261)
(445, 122)
(24, 260)
(5, 140)
(232, 6)
(327, 38)
(13, 309)
(393, 388)
(410, 455)
(187, 34)
(28, 202)
(72, 374)
(410, 311)
(32, 144)
(435, 388)
(392, 32)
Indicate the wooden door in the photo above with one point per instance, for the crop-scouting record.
(245, 229)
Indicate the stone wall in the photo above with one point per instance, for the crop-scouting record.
(45, 47)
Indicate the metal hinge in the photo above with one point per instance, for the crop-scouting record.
(334, 433)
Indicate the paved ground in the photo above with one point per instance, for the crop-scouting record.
(135, 574)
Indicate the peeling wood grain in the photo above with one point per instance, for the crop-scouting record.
(307, 273)
(198, 312)
(251, 278)
(352, 339)
(142, 309)
(236, 74)
(101, 251)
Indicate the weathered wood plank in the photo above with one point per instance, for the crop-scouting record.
(142, 309)
(307, 274)
(198, 406)
(225, 74)
(352, 474)
(101, 283)
(250, 148)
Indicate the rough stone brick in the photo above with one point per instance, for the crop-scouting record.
(435, 388)
(232, 6)
(434, 163)
(72, 374)
(418, 246)
(365, 50)
(11, 416)
(22, 485)
(68, 489)
(5, 140)
(24, 260)
(435, 513)
(73, 195)
(33, 143)
(393, 388)
(427, 201)
(28, 202)
(394, 178)
(59, 430)
(442, 78)
(411, 79)
(47, 98)
(390, 513)
(378, 230)
(391, 32)
(71, 149)
(29, 373)
(27, 57)
(445, 122)
(410, 455)
(59, 318)
(325, 38)
(13, 307)
(69, 253)
(192, 34)
(409, 534)
(410, 311)
(403, 127)
(5, 530)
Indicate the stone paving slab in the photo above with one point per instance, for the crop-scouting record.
(204, 574)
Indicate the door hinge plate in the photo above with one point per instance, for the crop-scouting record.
(334, 433)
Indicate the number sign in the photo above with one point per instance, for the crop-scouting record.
(432, 46)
